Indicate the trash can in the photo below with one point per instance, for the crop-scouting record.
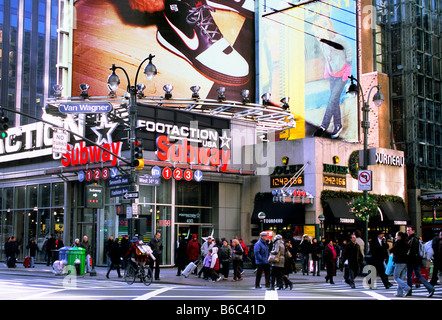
(76, 253)
(63, 254)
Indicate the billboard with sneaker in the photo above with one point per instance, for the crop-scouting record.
(208, 43)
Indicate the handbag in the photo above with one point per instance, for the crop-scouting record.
(274, 257)
(390, 266)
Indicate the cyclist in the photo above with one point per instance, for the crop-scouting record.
(139, 253)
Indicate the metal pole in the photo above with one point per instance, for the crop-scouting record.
(365, 126)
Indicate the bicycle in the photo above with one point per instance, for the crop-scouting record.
(139, 270)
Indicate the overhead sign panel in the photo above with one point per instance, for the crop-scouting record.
(85, 107)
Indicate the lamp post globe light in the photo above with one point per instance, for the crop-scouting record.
(113, 82)
(378, 99)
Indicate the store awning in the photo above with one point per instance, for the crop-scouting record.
(394, 212)
(341, 211)
(277, 212)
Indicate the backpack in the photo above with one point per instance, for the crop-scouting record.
(429, 249)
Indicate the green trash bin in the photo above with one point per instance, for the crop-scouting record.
(75, 253)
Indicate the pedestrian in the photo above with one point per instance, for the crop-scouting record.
(156, 245)
(7, 249)
(361, 244)
(124, 245)
(399, 251)
(107, 247)
(88, 253)
(33, 249)
(306, 249)
(330, 257)
(193, 250)
(351, 260)
(414, 262)
(316, 255)
(277, 266)
(214, 265)
(287, 265)
(225, 255)
(180, 255)
(237, 253)
(114, 254)
(436, 245)
(205, 270)
(12, 251)
(207, 245)
(244, 256)
(76, 243)
(50, 246)
(379, 255)
(261, 251)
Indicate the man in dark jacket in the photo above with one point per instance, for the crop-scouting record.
(50, 246)
(261, 251)
(306, 249)
(157, 247)
(379, 253)
(414, 262)
(352, 259)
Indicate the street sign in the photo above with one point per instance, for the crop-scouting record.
(114, 172)
(198, 175)
(148, 181)
(177, 174)
(119, 181)
(118, 192)
(131, 195)
(81, 176)
(167, 173)
(60, 141)
(365, 180)
(188, 174)
(94, 196)
(156, 172)
(85, 107)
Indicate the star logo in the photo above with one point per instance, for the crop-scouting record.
(105, 130)
(225, 140)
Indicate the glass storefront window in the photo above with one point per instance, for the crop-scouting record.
(44, 196)
(32, 196)
(193, 215)
(8, 197)
(147, 194)
(164, 225)
(107, 229)
(164, 192)
(20, 197)
(191, 193)
(58, 194)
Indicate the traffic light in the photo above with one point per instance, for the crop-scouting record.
(3, 124)
(137, 151)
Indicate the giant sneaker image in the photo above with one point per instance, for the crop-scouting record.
(245, 8)
(189, 31)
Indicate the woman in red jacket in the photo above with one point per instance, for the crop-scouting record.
(193, 250)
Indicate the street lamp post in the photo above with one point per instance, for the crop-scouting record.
(378, 99)
(321, 219)
(113, 81)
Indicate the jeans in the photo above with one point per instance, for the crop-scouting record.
(304, 263)
(399, 273)
(333, 107)
(416, 267)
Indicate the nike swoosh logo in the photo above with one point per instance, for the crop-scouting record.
(191, 43)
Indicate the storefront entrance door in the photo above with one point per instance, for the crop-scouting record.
(187, 230)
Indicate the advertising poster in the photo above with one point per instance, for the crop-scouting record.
(307, 53)
(206, 43)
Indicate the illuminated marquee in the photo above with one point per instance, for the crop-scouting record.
(187, 153)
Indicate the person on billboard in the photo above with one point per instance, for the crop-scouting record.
(338, 56)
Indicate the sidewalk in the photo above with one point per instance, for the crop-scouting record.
(167, 276)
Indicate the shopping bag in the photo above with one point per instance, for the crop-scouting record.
(390, 266)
